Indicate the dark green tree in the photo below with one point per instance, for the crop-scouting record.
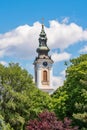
(81, 106)
(75, 74)
(75, 87)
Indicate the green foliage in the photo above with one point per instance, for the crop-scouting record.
(3, 125)
(81, 107)
(75, 88)
(20, 100)
(59, 103)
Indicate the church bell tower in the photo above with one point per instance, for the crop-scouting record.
(43, 65)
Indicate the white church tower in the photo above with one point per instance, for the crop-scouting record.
(43, 65)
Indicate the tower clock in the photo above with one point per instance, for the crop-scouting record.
(43, 65)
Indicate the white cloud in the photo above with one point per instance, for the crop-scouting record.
(20, 42)
(23, 41)
(65, 20)
(63, 73)
(3, 63)
(83, 49)
(2, 52)
(61, 56)
(57, 81)
(63, 35)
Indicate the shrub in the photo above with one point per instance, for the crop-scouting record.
(48, 121)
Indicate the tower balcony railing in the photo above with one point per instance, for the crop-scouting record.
(45, 82)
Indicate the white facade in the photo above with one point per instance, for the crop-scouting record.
(43, 65)
(44, 81)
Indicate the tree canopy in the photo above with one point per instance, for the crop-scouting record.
(19, 98)
(75, 91)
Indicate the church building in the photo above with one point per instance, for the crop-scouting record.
(43, 65)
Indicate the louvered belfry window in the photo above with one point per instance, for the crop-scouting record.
(45, 76)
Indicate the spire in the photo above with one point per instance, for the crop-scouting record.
(43, 37)
(42, 26)
(42, 31)
(42, 42)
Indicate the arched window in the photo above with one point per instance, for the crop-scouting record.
(45, 76)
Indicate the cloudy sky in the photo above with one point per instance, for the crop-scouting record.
(65, 24)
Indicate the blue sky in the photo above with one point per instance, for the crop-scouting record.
(65, 25)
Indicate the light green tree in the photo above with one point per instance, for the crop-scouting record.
(20, 100)
(59, 99)
(3, 125)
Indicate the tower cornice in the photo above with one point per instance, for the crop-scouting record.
(43, 64)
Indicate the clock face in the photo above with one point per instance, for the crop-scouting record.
(45, 63)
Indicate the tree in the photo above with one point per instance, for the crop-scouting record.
(19, 98)
(59, 99)
(3, 125)
(76, 72)
(48, 121)
(81, 114)
(75, 87)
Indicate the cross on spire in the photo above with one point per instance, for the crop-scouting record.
(42, 24)
(42, 20)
